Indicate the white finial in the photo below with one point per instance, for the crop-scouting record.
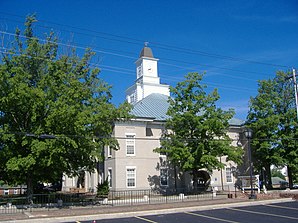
(146, 44)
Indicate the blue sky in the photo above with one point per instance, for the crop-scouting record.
(236, 43)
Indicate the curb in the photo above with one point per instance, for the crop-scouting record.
(37, 219)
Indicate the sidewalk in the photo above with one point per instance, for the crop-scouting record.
(105, 212)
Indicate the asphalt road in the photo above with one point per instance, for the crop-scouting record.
(278, 212)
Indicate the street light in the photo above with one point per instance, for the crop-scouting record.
(248, 135)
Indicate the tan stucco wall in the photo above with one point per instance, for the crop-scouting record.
(145, 160)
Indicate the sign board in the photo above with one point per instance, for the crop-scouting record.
(245, 181)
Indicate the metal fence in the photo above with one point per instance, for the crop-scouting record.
(137, 197)
(14, 204)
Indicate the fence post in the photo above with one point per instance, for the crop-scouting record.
(112, 197)
(166, 196)
(48, 202)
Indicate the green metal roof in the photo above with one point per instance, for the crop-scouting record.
(155, 106)
(236, 122)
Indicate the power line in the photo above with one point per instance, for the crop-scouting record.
(119, 70)
(159, 45)
(228, 87)
(54, 136)
(191, 51)
(124, 71)
(130, 57)
(222, 68)
(110, 68)
(99, 34)
(68, 45)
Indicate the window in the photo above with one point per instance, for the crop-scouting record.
(131, 177)
(110, 177)
(164, 154)
(163, 177)
(149, 132)
(229, 178)
(130, 145)
(15, 191)
(162, 161)
(132, 98)
(109, 152)
(6, 192)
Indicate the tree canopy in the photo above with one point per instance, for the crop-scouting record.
(273, 119)
(196, 133)
(55, 111)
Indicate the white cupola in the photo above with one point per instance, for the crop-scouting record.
(147, 81)
(146, 66)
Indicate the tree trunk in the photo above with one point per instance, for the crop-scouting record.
(221, 176)
(290, 177)
(175, 175)
(268, 177)
(29, 189)
(195, 179)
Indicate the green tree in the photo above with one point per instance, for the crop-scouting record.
(197, 130)
(55, 112)
(287, 129)
(273, 119)
(263, 120)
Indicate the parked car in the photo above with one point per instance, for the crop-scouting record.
(279, 183)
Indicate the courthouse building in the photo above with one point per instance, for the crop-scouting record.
(135, 165)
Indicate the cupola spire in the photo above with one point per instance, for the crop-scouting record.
(146, 51)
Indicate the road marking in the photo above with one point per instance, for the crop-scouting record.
(214, 218)
(262, 213)
(145, 219)
(276, 206)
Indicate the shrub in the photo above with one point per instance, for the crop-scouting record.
(103, 189)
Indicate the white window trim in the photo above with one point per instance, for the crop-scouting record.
(135, 168)
(232, 180)
(110, 179)
(109, 152)
(134, 144)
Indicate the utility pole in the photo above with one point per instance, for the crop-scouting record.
(296, 100)
(295, 87)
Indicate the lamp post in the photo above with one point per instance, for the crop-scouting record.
(248, 135)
